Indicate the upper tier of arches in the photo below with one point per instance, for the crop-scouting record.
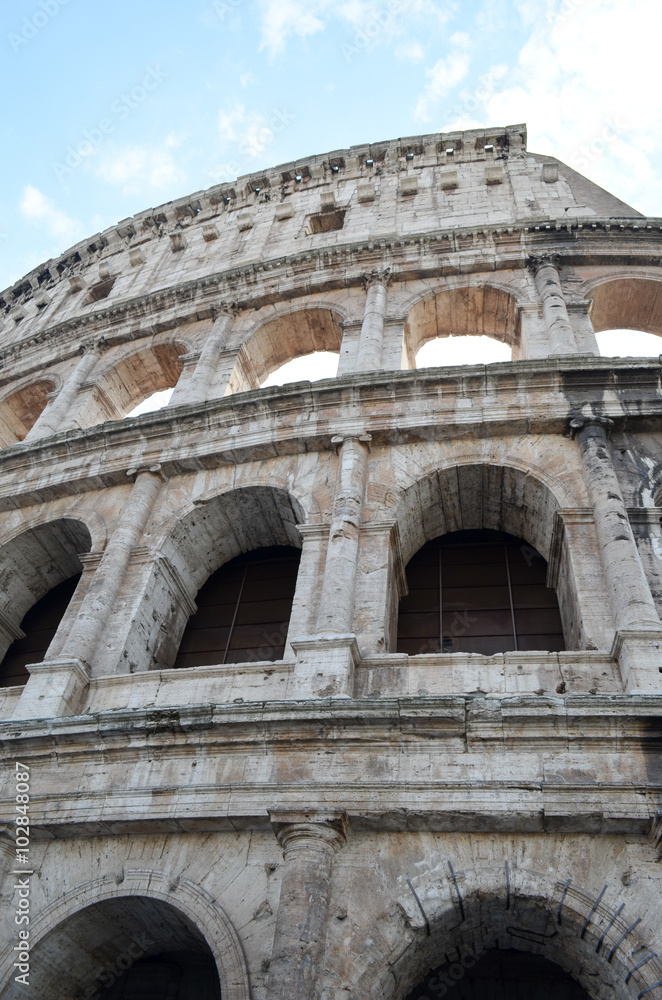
(243, 348)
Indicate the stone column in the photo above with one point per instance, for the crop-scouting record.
(337, 601)
(59, 406)
(534, 340)
(639, 630)
(309, 840)
(372, 329)
(307, 594)
(555, 312)
(579, 314)
(326, 661)
(200, 385)
(56, 687)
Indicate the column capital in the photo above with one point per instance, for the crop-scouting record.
(378, 276)
(313, 826)
(338, 440)
(97, 346)
(224, 309)
(579, 422)
(155, 470)
(535, 261)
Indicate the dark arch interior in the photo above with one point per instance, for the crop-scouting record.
(243, 610)
(499, 975)
(478, 591)
(171, 975)
(40, 625)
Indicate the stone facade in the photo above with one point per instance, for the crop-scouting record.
(338, 823)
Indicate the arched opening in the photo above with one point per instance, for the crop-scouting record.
(499, 974)
(154, 402)
(628, 344)
(200, 543)
(19, 412)
(627, 304)
(125, 948)
(243, 610)
(489, 929)
(478, 591)
(496, 498)
(450, 351)
(284, 339)
(309, 368)
(40, 625)
(130, 382)
(473, 312)
(39, 574)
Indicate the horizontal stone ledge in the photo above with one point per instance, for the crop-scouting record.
(516, 812)
(619, 723)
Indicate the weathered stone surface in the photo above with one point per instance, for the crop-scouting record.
(336, 824)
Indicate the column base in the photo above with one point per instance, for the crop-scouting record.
(55, 688)
(325, 666)
(639, 655)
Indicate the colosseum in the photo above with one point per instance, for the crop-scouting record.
(347, 689)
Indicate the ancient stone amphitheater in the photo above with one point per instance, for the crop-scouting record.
(352, 689)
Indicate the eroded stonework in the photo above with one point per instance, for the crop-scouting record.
(348, 820)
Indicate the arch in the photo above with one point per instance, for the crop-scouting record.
(283, 338)
(127, 380)
(32, 563)
(504, 973)
(478, 591)
(185, 911)
(469, 310)
(469, 912)
(197, 544)
(20, 410)
(244, 610)
(471, 495)
(626, 303)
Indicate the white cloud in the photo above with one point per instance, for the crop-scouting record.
(586, 93)
(36, 207)
(283, 18)
(374, 21)
(411, 52)
(138, 168)
(228, 122)
(445, 75)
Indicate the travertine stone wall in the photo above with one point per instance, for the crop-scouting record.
(333, 824)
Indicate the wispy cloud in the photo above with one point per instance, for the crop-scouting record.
(602, 117)
(445, 75)
(283, 18)
(37, 208)
(382, 19)
(140, 168)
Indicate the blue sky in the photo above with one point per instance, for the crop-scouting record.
(164, 99)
